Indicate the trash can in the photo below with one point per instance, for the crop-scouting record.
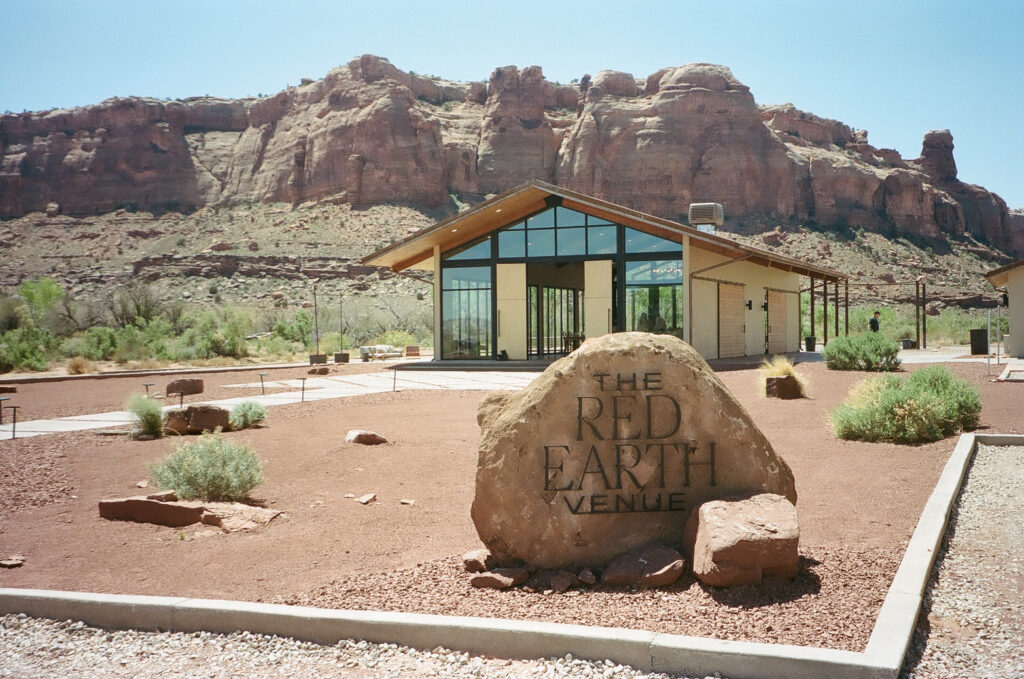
(979, 342)
(809, 342)
(908, 344)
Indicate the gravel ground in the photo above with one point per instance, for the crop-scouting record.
(972, 624)
(35, 648)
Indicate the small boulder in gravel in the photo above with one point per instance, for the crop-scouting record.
(587, 577)
(478, 561)
(366, 499)
(144, 509)
(366, 438)
(735, 542)
(13, 561)
(563, 580)
(500, 578)
(185, 387)
(784, 387)
(653, 565)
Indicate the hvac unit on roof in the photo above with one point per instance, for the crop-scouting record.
(706, 216)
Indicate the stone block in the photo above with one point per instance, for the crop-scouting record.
(366, 438)
(653, 565)
(146, 510)
(736, 542)
(207, 418)
(784, 387)
(185, 387)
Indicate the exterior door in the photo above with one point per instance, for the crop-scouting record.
(732, 330)
(778, 322)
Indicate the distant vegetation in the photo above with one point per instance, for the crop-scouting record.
(867, 351)
(928, 405)
(41, 326)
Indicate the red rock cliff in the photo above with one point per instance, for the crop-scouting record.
(375, 134)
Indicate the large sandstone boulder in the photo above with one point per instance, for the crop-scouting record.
(195, 419)
(735, 542)
(185, 386)
(611, 448)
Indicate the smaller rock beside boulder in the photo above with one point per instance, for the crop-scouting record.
(736, 542)
(196, 419)
(653, 565)
(165, 509)
(478, 561)
(366, 438)
(500, 578)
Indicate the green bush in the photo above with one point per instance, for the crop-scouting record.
(396, 338)
(928, 405)
(26, 348)
(868, 351)
(149, 415)
(210, 469)
(247, 414)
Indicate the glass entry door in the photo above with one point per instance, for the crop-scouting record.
(554, 320)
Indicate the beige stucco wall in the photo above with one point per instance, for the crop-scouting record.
(511, 298)
(1015, 290)
(705, 318)
(755, 279)
(597, 297)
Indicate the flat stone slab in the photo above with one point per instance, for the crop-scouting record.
(165, 509)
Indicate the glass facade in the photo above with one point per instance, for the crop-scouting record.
(647, 278)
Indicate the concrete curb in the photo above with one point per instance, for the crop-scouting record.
(146, 373)
(647, 651)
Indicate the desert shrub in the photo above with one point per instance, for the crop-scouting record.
(928, 405)
(149, 416)
(210, 469)
(247, 414)
(9, 319)
(80, 365)
(96, 344)
(26, 348)
(868, 351)
(298, 329)
(780, 366)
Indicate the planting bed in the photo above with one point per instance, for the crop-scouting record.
(858, 504)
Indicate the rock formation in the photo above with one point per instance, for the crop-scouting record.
(369, 133)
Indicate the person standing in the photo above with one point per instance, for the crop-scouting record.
(874, 322)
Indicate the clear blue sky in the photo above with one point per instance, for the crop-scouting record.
(896, 68)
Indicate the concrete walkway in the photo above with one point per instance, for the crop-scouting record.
(316, 389)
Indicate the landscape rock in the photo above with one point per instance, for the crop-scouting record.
(478, 561)
(735, 542)
(52, 209)
(933, 308)
(653, 565)
(176, 421)
(611, 448)
(562, 581)
(13, 561)
(366, 499)
(784, 387)
(185, 387)
(322, 370)
(587, 577)
(232, 517)
(500, 578)
(207, 418)
(144, 509)
(363, 437)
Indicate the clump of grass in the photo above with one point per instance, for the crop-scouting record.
(869, 351)
(780, 366)
(80, 365)
(210, 469)
(148, 414)
(247, 414)
(929, 405)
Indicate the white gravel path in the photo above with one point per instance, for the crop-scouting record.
(972, 624)
(33, 648)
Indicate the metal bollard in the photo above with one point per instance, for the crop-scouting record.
(263, 387)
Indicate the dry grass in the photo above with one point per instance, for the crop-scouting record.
(80, 365)
(780, 366)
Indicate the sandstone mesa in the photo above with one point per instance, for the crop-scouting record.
(369, 133)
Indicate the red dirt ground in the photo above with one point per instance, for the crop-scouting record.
(858, 504)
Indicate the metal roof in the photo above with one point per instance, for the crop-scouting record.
(525, 199)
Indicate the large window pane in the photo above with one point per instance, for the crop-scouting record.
(481, 250)
(601, 240)
(572, 241)
(567, 217)
(512, 244)
(466, 312)
(544, 220)
(638, 241)
(540, 243)
(655, 308)
(655, 271)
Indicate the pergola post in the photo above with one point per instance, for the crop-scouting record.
(824, 310)
(924, 315)
(835, 298)
(846, 306)
(812, 307)
(917, 313)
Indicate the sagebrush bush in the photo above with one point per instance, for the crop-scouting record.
(210, 469)
(780, 366)
(868, 351)
(928, 405)
(149, 415)
(80, 365)
(247, 414)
